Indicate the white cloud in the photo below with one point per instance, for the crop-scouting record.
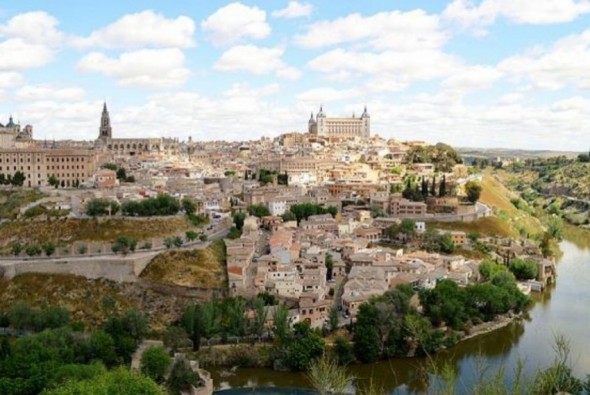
(245, 90)
(470, 78)
(256, 60)
(324, 95)
(150, 68)
(34, 28)
(486, 12)
(49, 92)
(141, 29)
(403, 31)
(235, 21)
(293, 10)
(567, 61)
(31, 41)
(18, 54)
(10, 79)
(391, 70)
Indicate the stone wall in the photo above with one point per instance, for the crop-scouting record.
(115, 268)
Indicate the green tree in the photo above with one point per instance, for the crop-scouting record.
(117, 381)
(121, 174)
(234, 233)
(193, 324)
(333, 318)
(189, 206)
(408, 227)
(258, 210)
(367, 342)
(154, 363)
(523, 269)
(488, 269)
(177, 241)
(175, 338)
(307, 345)
(239, 220)
(191, 235)
(329, 266)
(124, 244)
(182, 377)
(289, 216)
(473, 191)
(33, 250)
(48, 248)
(446, 243)
(281, 323)
(442, 188)
(102, 347)
(344, 351)
(555, 228)
(260, 316)
(110, 166)
(99, 206)
(53, 181)
(21, 316)
(18, 179)
(16, 248)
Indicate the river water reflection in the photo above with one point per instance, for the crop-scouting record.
(565, 310)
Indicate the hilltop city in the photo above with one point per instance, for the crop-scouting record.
(329, 217)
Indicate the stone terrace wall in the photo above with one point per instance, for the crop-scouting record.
(116, 268)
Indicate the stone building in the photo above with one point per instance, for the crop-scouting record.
(340, 127)
(11, 135)
(70, 167)
(131, 146)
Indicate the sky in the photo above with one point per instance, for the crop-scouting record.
(485, 73)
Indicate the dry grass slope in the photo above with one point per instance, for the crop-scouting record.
(67, 231)
(190, 268)
(90, 301)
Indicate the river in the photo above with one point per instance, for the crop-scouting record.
(563, 309)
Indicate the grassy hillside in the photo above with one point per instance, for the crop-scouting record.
(67, 231)
(190, 268)
(490, 226)
(518, 217)
(90, 301)
(508, 220)
(12, 200)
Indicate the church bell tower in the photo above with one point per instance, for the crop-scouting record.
(105, 132)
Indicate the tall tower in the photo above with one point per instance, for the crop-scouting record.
(366, 125)
(105, 131)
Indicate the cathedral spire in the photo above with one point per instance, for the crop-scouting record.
(105, 131)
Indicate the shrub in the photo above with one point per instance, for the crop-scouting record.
(82, 249)
(124, 244)
(98, 207)
(48, 248)
(154, 363)
(33, 250)
(146, 245)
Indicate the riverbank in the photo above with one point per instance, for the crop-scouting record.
(487, 327)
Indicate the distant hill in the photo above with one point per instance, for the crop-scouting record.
(510, 153)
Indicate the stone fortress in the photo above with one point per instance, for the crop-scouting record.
(340, 127)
